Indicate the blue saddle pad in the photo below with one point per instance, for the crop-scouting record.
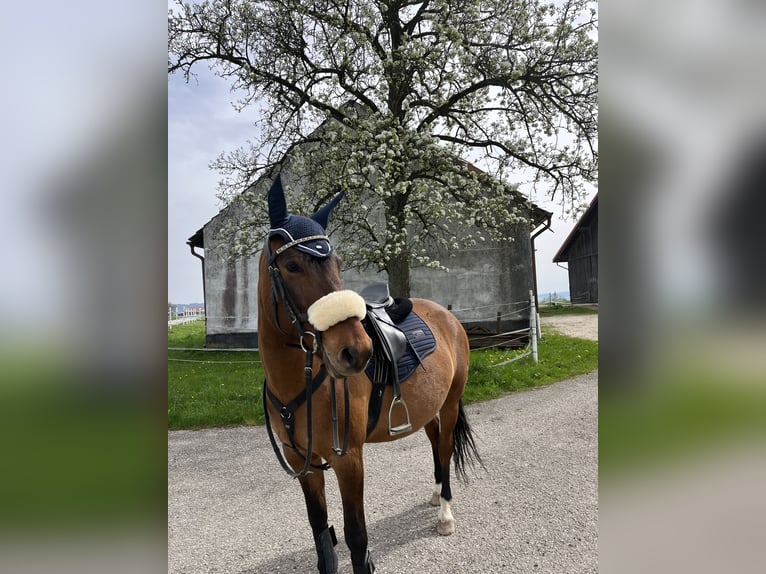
(419, 338)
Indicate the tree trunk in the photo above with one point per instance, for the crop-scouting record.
(399, 275)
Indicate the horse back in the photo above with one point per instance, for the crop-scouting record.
(442, 377)
(446, 328)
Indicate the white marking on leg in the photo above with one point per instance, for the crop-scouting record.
(436, 496)
(445, 512)
(446, 523)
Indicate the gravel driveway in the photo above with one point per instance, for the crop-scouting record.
(582, 326)
(232, 509)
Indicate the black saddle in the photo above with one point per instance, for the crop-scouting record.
(389, 345)
(376, 296)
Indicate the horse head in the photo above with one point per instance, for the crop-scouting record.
(305, 274)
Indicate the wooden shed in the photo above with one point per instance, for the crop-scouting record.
(580, 252)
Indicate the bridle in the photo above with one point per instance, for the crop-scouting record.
(279, 291)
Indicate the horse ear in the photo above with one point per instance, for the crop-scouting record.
(322, 217)
(277, 204)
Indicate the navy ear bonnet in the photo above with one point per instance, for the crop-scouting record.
(297, 227)
(307, 234)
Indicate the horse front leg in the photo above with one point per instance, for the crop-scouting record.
(316, 506)
(349, 470)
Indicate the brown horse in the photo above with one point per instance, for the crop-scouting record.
(310, 335)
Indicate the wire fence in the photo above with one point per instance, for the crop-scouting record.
(517, 308)
(518, 336)
(175, 360)
(183, 320)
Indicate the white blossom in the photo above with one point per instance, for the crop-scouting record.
(398, 102)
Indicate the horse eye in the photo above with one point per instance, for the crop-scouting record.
(293, 267)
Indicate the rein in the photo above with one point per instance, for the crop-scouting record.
(287, 412)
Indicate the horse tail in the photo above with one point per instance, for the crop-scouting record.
(465, 452)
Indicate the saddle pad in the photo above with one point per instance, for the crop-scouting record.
(419, 338)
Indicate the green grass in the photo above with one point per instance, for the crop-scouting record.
(559, 357)
(187, 335)
(548, 310)
(79, 449)
(213, 389)
(683, 413)
(218, 389)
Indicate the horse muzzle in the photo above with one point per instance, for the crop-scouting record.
(346, 348)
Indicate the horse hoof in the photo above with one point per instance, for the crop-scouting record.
(435, 499)
(445, 527)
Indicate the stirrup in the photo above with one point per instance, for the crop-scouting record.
(402, 428)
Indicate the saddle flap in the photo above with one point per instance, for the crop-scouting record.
(393, 341)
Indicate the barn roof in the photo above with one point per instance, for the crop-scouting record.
(561, 255)
(197, 240)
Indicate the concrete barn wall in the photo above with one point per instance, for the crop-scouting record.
(231, 294)
(481, 282)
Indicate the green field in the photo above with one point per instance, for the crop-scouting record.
(209, 389)
(559, 357)
(549, 309)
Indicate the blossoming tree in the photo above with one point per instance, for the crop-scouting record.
(390, 100)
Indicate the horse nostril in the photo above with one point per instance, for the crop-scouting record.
(349, 356)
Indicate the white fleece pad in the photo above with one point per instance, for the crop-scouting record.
(336, 307)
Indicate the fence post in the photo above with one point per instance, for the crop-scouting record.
(533, 325)
(539, 327)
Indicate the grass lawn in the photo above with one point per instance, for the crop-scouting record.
(550, 309)
(78, 449)
(685, 413)
(207, 389)
(559, 357)
(211, 388)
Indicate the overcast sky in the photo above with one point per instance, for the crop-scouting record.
(202, 124)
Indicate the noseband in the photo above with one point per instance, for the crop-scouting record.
(321, 316)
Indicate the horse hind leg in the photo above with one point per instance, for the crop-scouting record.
(448, 418)
(442, 495)
(455, 438)
(432, 431)
(440, 434)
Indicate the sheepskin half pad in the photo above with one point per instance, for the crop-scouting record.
(336, 307)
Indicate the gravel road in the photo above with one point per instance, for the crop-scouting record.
(232, 509)
(582, 326)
